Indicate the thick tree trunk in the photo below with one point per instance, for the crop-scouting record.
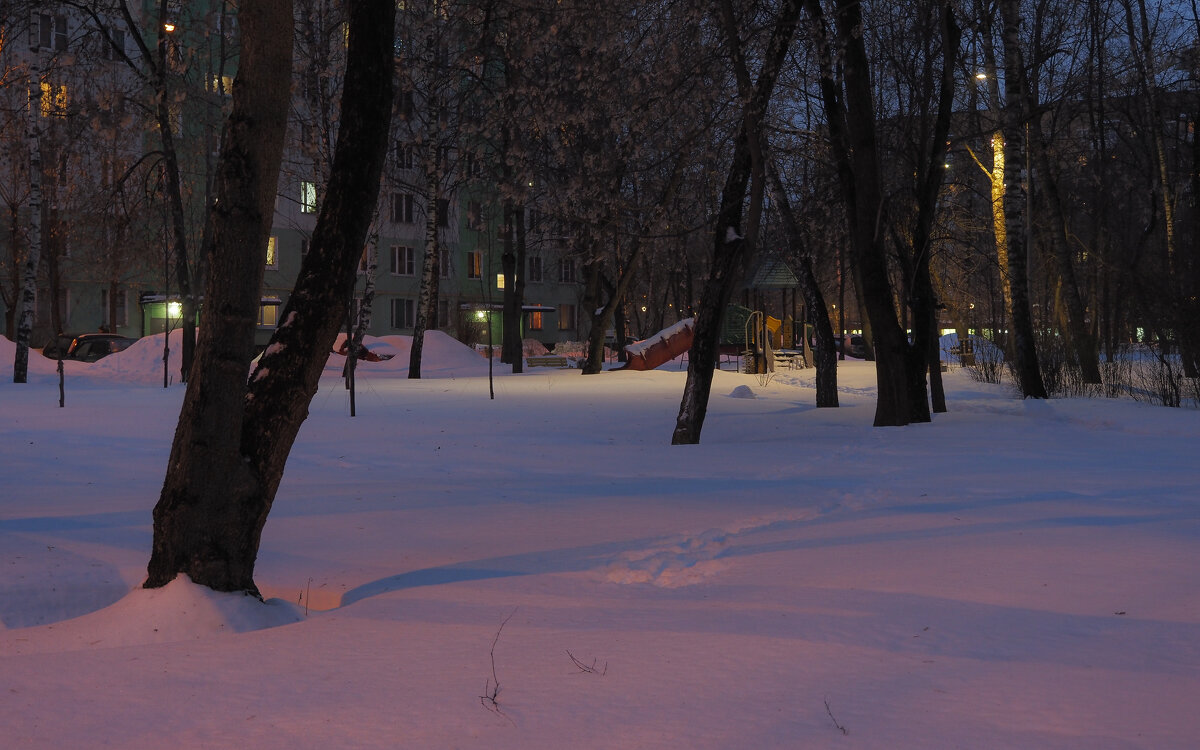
(208, 518)
(850, 115)
(234, 437)
(1015, 123)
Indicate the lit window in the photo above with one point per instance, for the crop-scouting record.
(475, 264)
(534, 321)
(268, 315)
(308, 197)
(272, 252)
(499, 281)
(54, 100)
(566, 317)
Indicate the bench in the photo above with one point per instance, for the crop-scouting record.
(547, 361)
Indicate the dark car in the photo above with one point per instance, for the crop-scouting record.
(86, 347)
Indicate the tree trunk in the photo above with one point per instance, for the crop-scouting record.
(28, 293)
(924, 356)
(427, 297)
(852, 134)
(234, 437)
(1082, 342)
(826, 355)
(1015, 122)
(512, 351)
(728, 240)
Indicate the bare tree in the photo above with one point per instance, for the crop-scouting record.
(234, 436)
(732, 232)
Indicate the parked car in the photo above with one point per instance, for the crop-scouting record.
(853, 345)
(86, 347)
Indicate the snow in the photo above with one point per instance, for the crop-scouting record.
(1018, 574)
(641, 347)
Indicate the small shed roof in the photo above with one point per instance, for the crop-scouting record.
(773, 273)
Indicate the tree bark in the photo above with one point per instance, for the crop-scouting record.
(512, 351)
(826, 354)
(28, 289)
(728, 240)
(1016, 116)
(234, 437)
(427, 296)
(851, 119)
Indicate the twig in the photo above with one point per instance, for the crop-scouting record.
(491, 687)
(829, 711)
(589, 668)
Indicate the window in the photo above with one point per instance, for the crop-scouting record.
(268, 315)
(535, 269)
(566, 271)
(474, 216)
(533, 322)
(403, 313)
(303, 246)
(443, 313)
(443, 209)
(404, 105)
(272, 252)
(404, 155)
(443, 262)
(475, 264)
(54, 100)
(52, 32)
(308, 197)
(121, 313)
(402, 208)
(114, 45)
(222, 85)
(499, 281)
(566, 317)
(404, 261)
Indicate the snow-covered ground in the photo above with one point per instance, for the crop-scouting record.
(1014, 575)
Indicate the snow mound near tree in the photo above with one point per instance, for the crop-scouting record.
(742, 391)
(179, 611)
(442, 356)
(142, 362)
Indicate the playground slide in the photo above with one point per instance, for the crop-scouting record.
(660, 348)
